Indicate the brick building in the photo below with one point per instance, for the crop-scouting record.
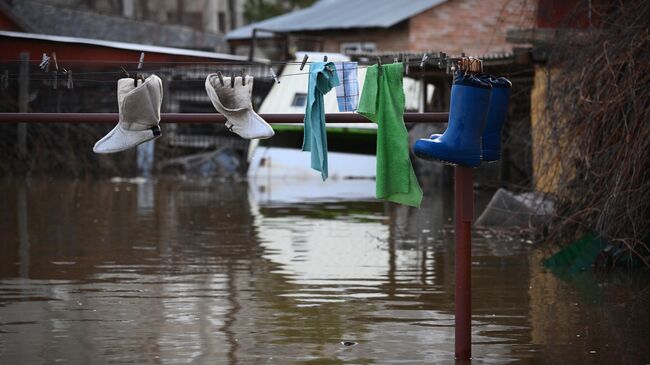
(347, 26)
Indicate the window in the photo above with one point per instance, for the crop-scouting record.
(355, 47)
(300, 99)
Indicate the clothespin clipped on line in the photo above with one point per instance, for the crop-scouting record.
(442, 56)
(379, 67)
(243, 77)
(406, 68)
(304, 61)
(70, 84)
(128, 75)
(56, 63)
(424, 59)
(55, 73)
(232, 80)
(324, 58)
(45, 63)
(141, 60)
(275, 77)
(220, 75)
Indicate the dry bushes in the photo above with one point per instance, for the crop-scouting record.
(597, 130)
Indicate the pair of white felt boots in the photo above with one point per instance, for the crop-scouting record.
(139, 111)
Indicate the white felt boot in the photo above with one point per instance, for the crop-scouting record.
(235, 104)
(139, 115)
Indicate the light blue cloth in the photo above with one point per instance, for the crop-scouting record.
(347, 93)
(322, 78)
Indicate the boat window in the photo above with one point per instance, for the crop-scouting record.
(299, 99)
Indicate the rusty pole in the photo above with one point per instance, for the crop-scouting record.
(464, 213)
(203, 118)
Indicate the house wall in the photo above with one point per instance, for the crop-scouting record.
(385, 40)
(475, 27)
(392, 39)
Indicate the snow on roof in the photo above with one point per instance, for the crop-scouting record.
(129, 46)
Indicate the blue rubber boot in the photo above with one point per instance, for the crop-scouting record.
(461, 142)
(499, 101)
(491, 143)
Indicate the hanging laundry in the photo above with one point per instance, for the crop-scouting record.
(233, 100)
(139, 115)
(347, 93)
(322, 78)
(382, 101)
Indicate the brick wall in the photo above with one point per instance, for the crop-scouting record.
(475, 27)
(394, 38)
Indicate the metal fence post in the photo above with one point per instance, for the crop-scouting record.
(464, 214)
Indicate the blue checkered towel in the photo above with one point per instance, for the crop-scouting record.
(347, 93)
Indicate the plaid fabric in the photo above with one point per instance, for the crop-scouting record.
(347, 93)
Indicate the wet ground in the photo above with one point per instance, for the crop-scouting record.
(208, 272)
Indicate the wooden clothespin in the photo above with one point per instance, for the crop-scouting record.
(474, 65)
(56, 63)
(45, 63)
(128, 75)
(220, 75)
(275, 77)
(304, 61)
(55, 73)
(406, 67)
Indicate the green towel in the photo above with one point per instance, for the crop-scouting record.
(322, 78)
(382, 101)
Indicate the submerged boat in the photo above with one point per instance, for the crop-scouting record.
(351, 146)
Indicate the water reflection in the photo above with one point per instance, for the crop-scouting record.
(181, 271)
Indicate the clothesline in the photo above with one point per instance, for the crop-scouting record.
(231, 66)
(222, 63)
(47, 76)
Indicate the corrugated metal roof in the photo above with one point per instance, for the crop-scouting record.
(340, 14)
(129, 46)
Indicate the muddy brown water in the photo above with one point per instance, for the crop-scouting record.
(173, 271)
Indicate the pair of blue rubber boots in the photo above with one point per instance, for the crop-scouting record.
(478, 108)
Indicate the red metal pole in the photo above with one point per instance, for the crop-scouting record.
(464, 213)
(206, 118)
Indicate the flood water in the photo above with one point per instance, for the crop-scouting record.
(173, 271)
